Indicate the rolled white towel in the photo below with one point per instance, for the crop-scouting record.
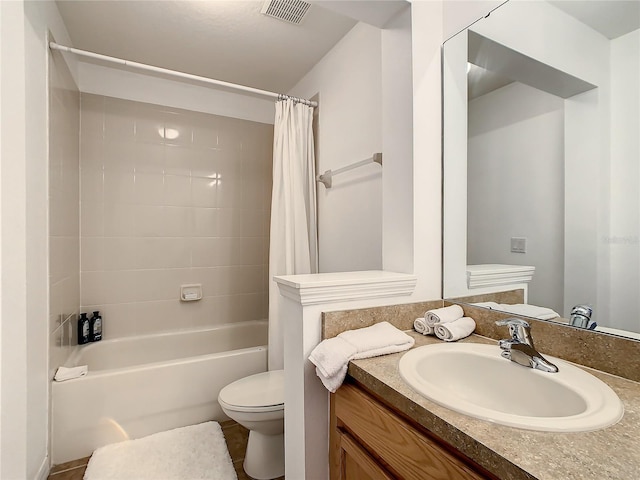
(452, 331)
(67, 373)
(420, 326)
(443, 315)
(331, 357)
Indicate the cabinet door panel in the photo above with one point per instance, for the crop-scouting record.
(357, 464)
(404, 450)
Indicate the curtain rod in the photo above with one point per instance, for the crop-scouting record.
(211, 81)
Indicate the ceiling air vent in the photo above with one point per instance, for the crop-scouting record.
(292, 11)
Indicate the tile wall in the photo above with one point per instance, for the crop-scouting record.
(171, 197)
(64, 214)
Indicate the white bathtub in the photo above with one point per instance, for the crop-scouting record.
(141, 385)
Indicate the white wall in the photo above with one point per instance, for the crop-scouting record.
(459, 14)
(13, 389)
(517, 189)
(397, 140)
(24, 236)
(140, 87)
(348, 81)
(623, 239)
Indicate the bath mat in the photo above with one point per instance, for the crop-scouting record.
(197, 452)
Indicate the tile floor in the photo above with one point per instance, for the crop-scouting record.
(235, 435)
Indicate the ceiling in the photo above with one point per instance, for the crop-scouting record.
(222, 39)
(612, 18)
(227, 40)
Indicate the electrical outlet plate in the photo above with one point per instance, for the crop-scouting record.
(518, 245)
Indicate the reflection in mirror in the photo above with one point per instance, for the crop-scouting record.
(542, 161)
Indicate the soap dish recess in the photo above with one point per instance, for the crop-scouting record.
(191, 292)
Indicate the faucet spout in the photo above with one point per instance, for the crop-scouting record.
(519, 348)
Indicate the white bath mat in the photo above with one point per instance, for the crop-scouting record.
(197, 452)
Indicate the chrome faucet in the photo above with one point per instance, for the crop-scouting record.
(581, 317)
(519, 348)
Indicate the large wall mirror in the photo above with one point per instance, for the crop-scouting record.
(541, 149)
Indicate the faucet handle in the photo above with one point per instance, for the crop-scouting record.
(518, 329)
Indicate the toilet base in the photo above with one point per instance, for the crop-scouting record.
(264, 459)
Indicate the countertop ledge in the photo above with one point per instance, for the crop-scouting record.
(512, 453)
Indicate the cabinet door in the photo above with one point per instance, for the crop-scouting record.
(356, 463)
(401, 450)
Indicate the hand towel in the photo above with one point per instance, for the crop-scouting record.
(420, 326)
(331, 357)
(489, 305)
(379, 339)
(543, 313)
(333, 382)
(66, 373)
(443, 315)
(332, 354)
(452, 331)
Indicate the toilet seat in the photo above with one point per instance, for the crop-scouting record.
(263, 392)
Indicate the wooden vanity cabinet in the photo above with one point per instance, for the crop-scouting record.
(369, 441)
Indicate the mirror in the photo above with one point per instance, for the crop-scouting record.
(541, 159)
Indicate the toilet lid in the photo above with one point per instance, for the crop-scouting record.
(255, 391)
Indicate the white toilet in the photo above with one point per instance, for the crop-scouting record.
(257, 403)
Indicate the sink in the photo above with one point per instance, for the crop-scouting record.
(475, 380)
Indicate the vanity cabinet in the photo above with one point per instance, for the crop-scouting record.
(370, 441)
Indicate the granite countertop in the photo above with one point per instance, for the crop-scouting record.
(511, 453)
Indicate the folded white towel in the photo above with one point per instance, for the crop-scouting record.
(331, 357)
(67, 373)
(452, 331)
(420, 326)
(333, 382)
(491, 305)
(443, 315)
(543, 313)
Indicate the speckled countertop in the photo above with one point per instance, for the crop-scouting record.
(511, 453)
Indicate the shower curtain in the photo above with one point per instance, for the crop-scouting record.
(293, 247)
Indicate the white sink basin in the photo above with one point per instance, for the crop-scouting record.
(475, 380)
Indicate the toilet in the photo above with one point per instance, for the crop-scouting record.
(257, 403)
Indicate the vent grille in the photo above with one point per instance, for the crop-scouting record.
(292, 11)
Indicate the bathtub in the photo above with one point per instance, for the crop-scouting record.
(141, 385)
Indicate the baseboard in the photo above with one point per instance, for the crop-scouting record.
(43, 471)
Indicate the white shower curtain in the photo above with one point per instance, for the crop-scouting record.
(293, 237)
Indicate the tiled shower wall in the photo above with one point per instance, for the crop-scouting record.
(64, 213)
(171, 197)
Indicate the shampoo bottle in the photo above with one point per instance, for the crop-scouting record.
(83, 329)
(95, 327)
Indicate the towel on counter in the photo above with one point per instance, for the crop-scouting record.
(452, 331)
(67, 373)
(443, 315)
(420, 326)
(542, 313)
(331, 357)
